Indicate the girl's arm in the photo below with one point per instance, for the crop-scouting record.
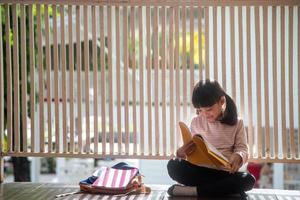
(240, 154)
(240, 143)
(186, 150)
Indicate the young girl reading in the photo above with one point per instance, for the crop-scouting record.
(217, 122)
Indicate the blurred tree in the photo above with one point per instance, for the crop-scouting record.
(21, 164)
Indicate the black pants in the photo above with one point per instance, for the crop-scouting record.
(209, 182)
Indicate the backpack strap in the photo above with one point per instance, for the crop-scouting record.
(144, 189)
(141, 189)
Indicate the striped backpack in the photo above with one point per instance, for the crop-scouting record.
(121, 179)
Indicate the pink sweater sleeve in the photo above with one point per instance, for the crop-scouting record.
(240, 144)
(193, 126)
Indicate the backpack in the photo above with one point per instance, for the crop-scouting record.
(121, 179)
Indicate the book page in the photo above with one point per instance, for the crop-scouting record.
(205, 153)
(213, 150)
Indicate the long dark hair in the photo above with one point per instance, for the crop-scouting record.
(207, 93)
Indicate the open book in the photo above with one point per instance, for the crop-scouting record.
(205, 153)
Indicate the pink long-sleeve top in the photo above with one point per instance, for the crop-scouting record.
(225, 138)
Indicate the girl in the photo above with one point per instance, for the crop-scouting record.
(218, 123)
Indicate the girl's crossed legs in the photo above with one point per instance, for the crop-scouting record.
(209, 182)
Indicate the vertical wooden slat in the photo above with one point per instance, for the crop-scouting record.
(1, 171)
(200, 40)
(163, 67)
(16, 102)
(258, 82)
(241, 59)
(78, 68)
(110, 72)
(266, 81)
(125, 52)
(206, 13)
(40, 78)
(149, 69)
(249, 82)
(223, 47)
(118, 79)
(215, 42)
(1, 99)
(184, 63)
(87, 79)
(95, 78)
(256, 128)
(274, 64)
(56, 83)
(291, 85)
(9, 79)
(156, 65)
(71, 79)
(133, 66)
(171, 69)
(64, 87)
(177, 74)
(283, 103)
(32, 78)
(298, 82)
(103, 80)
(141, 72)
(24, 79)
(48, 67)
(192, 71)
(232, 38)
(132, 28)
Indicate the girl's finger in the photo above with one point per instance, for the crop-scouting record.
(237, 167)
(234, 167)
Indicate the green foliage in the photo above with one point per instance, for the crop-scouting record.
(3, 19)
(34, 11)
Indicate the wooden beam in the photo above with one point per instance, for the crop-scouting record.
(159, 2)
(123, 156)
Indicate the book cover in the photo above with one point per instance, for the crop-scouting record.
(205, 153)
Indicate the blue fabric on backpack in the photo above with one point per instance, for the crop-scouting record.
(121, 165)
(89, 181)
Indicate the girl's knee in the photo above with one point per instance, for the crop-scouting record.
(249, 181)
(176, 169)
(172, 167)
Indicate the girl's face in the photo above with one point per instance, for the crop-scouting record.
(214, 112)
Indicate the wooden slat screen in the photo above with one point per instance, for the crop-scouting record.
(98, 79)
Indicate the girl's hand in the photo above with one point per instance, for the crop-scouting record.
(186, 150)
(236, 162)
